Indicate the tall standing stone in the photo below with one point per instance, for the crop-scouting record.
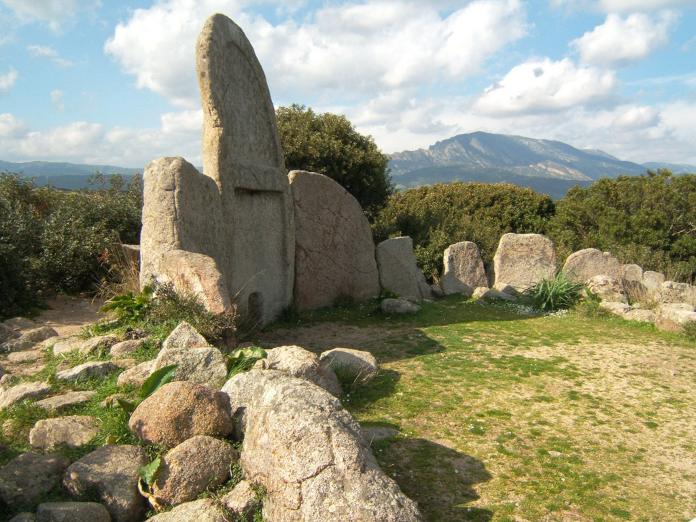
(463, 269)
(239, 213)
(398, 269)
(522, 260)
(334, 250)
(583, 265)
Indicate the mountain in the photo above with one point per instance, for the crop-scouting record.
(676, 168)
(63, 175)
(544, 165)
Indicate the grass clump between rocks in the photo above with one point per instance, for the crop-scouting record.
(550, 295)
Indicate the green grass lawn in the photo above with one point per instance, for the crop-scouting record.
(510, 417)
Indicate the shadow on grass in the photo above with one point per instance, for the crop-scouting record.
(439, 478)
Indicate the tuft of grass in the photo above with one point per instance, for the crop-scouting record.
(550, 295)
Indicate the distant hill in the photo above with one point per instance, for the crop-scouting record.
(676, 168)
(71, 176)
(544, 165)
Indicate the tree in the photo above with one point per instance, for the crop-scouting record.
(329, 144)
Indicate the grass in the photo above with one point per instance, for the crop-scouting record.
(503, 416)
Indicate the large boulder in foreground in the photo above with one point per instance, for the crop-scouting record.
(334, 250)
(672, 317)
(583, 265)
(30, 476)
(301, 363)
(398, 269)
(309, 454)
(463, 269)
(607, 288)
(523, 260)
(178, 411)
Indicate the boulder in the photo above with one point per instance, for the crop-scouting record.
(334, 250)
(72, 512)
(204, 510)
(98, 344)
(184, 336)
(136, 375)
(111, 474)
(88, 370)
(29, 477)
(178, 411)
(607, 289)
(639, 315)
(309, 454)
(398, 270)
(491, 294)
(28, 339)
(463, 269)
(199, 365)
(392, 306)
(24, 517)
(673, 316)
(7, 333)
(616, 308)
(632, 273)
(25, 356)
(652, 281)
(66, 344)
(523, 260)
(301, 363)
(72, 431)
(583, 265)
(673, 293)
(353, 365)
(28, 390)
(19, 323)
(242, 501)
(66, 400)
(193, 466)
(126, 347)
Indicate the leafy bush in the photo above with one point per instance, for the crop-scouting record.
(130, 307)
(690, 329)
(329, 144)
(554, 294)
(243, 360)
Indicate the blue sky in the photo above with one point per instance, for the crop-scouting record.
(114, 82)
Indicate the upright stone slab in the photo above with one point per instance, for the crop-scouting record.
(239, 213)
(585, 264)
(522, 260)
(464, 271)
(334, 250)
(398, 270)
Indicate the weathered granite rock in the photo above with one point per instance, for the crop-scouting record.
(184, 336)
(652, 281)
(334, 250)
(66, 400)
(632, 273)
(131, 254)
(355, 365)
(66, 344)
(19, 323)
(178, 411)
(193, 466)
(616, 308)
(110, 473)
(72, 431)
(488, 294)
(585, 264)
(24, 517)
(240, 212)
(136, 375)
(463, 269)
(28, 477)
(672, 317)
(98, 344)
(28, 339)
(607, 288)
(398, 270)
(242, 501)
(88, 370)
(301, 363)
(25, 356)
(522, 260)
(72, 512)
(28, 390)
(436, 290)
(672, 292)
(392, 306)
(204, 510)
(309, 454)
(200, 365)
(642, 316)
(126, 347)
(7, 333)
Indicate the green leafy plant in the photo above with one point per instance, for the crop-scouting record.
(157, 379)
(243, 360)
(130, 306)
(555, 294)
(148, 472)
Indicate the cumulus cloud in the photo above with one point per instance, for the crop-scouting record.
(42, 51)
(613, 6)
(621, 40)
(51, 12)
(10, 126)
(8, 79)
(342, 50)
(546, 85)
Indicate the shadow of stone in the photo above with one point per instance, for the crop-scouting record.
(439, 478)
(381, 386)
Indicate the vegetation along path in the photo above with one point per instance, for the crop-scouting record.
(505, 416)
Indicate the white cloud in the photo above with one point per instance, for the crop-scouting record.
(51, 12)
(57, 99)
(620, 40)
(546, 85)
(396, 43)
(633, 117)
(613, 6)
(182, 121)
(42, 51)
(10, 126)
(7, 80)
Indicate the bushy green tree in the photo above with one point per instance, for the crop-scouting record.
(438, 215)
(329, 144)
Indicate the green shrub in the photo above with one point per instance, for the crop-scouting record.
(690, 329)
(554, 294)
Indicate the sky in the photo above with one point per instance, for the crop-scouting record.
(113, 82)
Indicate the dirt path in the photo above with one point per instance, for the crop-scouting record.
(67, 314)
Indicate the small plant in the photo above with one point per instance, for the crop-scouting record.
(690, 329)
(130, 307)
(157, 379)
(554, 294)
(243, 360)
